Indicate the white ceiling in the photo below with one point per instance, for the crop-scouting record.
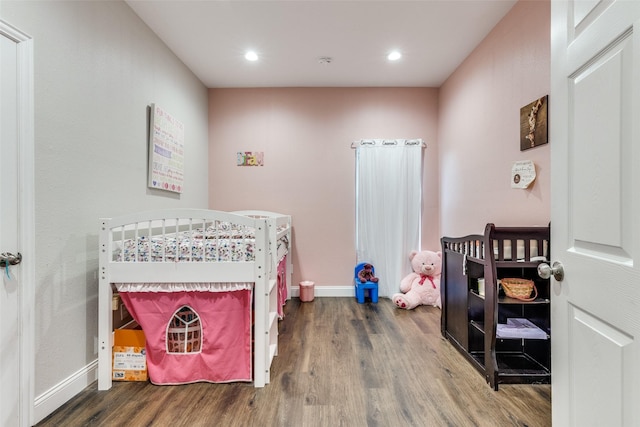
(211, 37)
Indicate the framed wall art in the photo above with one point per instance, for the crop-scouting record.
(250, 158)
(533, 124)
(166, 151)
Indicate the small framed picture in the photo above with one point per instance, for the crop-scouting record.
(533, 124)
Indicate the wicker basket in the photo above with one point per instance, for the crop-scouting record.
(519, 289)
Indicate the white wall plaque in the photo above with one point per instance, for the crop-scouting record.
(523, 173)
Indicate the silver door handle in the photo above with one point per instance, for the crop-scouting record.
(557, 271)
(7, 258)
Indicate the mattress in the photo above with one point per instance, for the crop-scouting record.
(223, 243)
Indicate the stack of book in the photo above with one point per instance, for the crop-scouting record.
(520, 328)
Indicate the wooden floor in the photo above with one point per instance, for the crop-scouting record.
(340, 364)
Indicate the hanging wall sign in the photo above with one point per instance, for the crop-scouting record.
(166, 151)
(523, 173)
(250, 158)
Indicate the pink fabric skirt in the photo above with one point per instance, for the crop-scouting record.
(194, 336)
(282, 285)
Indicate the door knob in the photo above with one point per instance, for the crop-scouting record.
(7, 258)
(557, 271)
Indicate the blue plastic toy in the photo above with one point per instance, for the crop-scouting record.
(366, 286)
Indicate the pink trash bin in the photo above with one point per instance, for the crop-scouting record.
(307, 289)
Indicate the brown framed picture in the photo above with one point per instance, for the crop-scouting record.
(533, 124)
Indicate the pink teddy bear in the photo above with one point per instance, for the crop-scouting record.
(422, 287)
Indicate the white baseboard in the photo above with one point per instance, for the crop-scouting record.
(328, 291)
(55, 397)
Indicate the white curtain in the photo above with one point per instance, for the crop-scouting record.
(388, 207)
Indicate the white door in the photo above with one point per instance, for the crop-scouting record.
(16, 225)
(594, 108)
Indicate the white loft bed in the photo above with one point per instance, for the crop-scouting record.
(264, 238)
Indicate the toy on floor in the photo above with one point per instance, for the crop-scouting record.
(367, 286)
(422, 286)
(366, 274)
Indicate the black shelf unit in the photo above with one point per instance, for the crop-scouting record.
(470, 319)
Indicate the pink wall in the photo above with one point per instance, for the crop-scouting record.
(309, 167)
(471, 126)
(479, 126)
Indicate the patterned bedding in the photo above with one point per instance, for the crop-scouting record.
(222, 242)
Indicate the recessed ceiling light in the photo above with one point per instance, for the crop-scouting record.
(394, 56)
(251, 56)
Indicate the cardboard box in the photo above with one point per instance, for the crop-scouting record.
(129, 355)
